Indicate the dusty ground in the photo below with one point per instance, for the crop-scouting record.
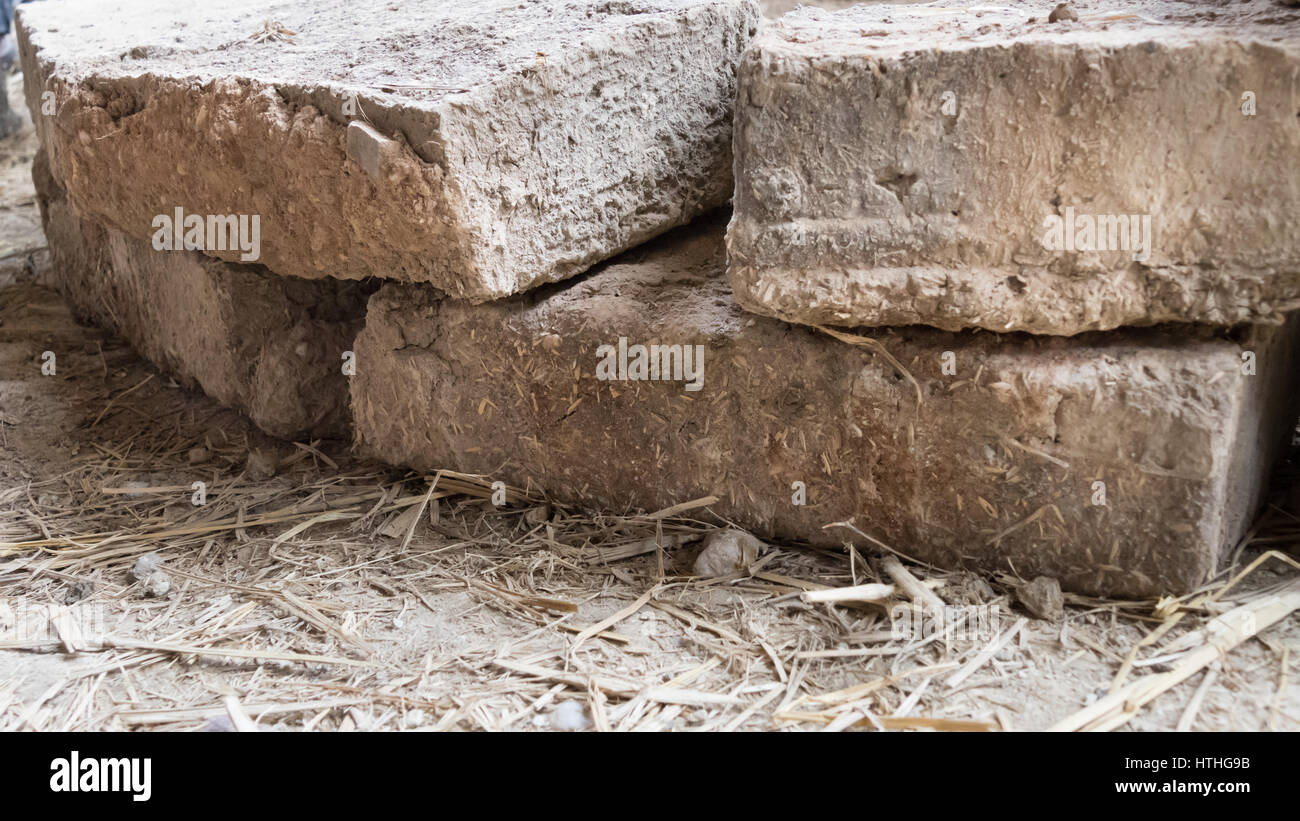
(338, 595)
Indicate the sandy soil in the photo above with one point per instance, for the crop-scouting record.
(312, 591)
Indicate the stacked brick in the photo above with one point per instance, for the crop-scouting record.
(1003, 292)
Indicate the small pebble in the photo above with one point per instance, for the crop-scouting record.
(146, 566)
(158, 584)
(570, 716)
(223, 724)
(416, 718)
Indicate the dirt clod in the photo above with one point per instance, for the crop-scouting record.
(550, 342)
(727, 552)
(1063, 11)
(77, 591)
(1042, 598)
(262, 463)
(538, 515)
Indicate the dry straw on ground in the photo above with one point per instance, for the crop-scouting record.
(337, 595)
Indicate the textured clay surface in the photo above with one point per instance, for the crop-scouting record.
(269, 346)
(990, 458)
(507, 143)
(883, 180)
(776, 8)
